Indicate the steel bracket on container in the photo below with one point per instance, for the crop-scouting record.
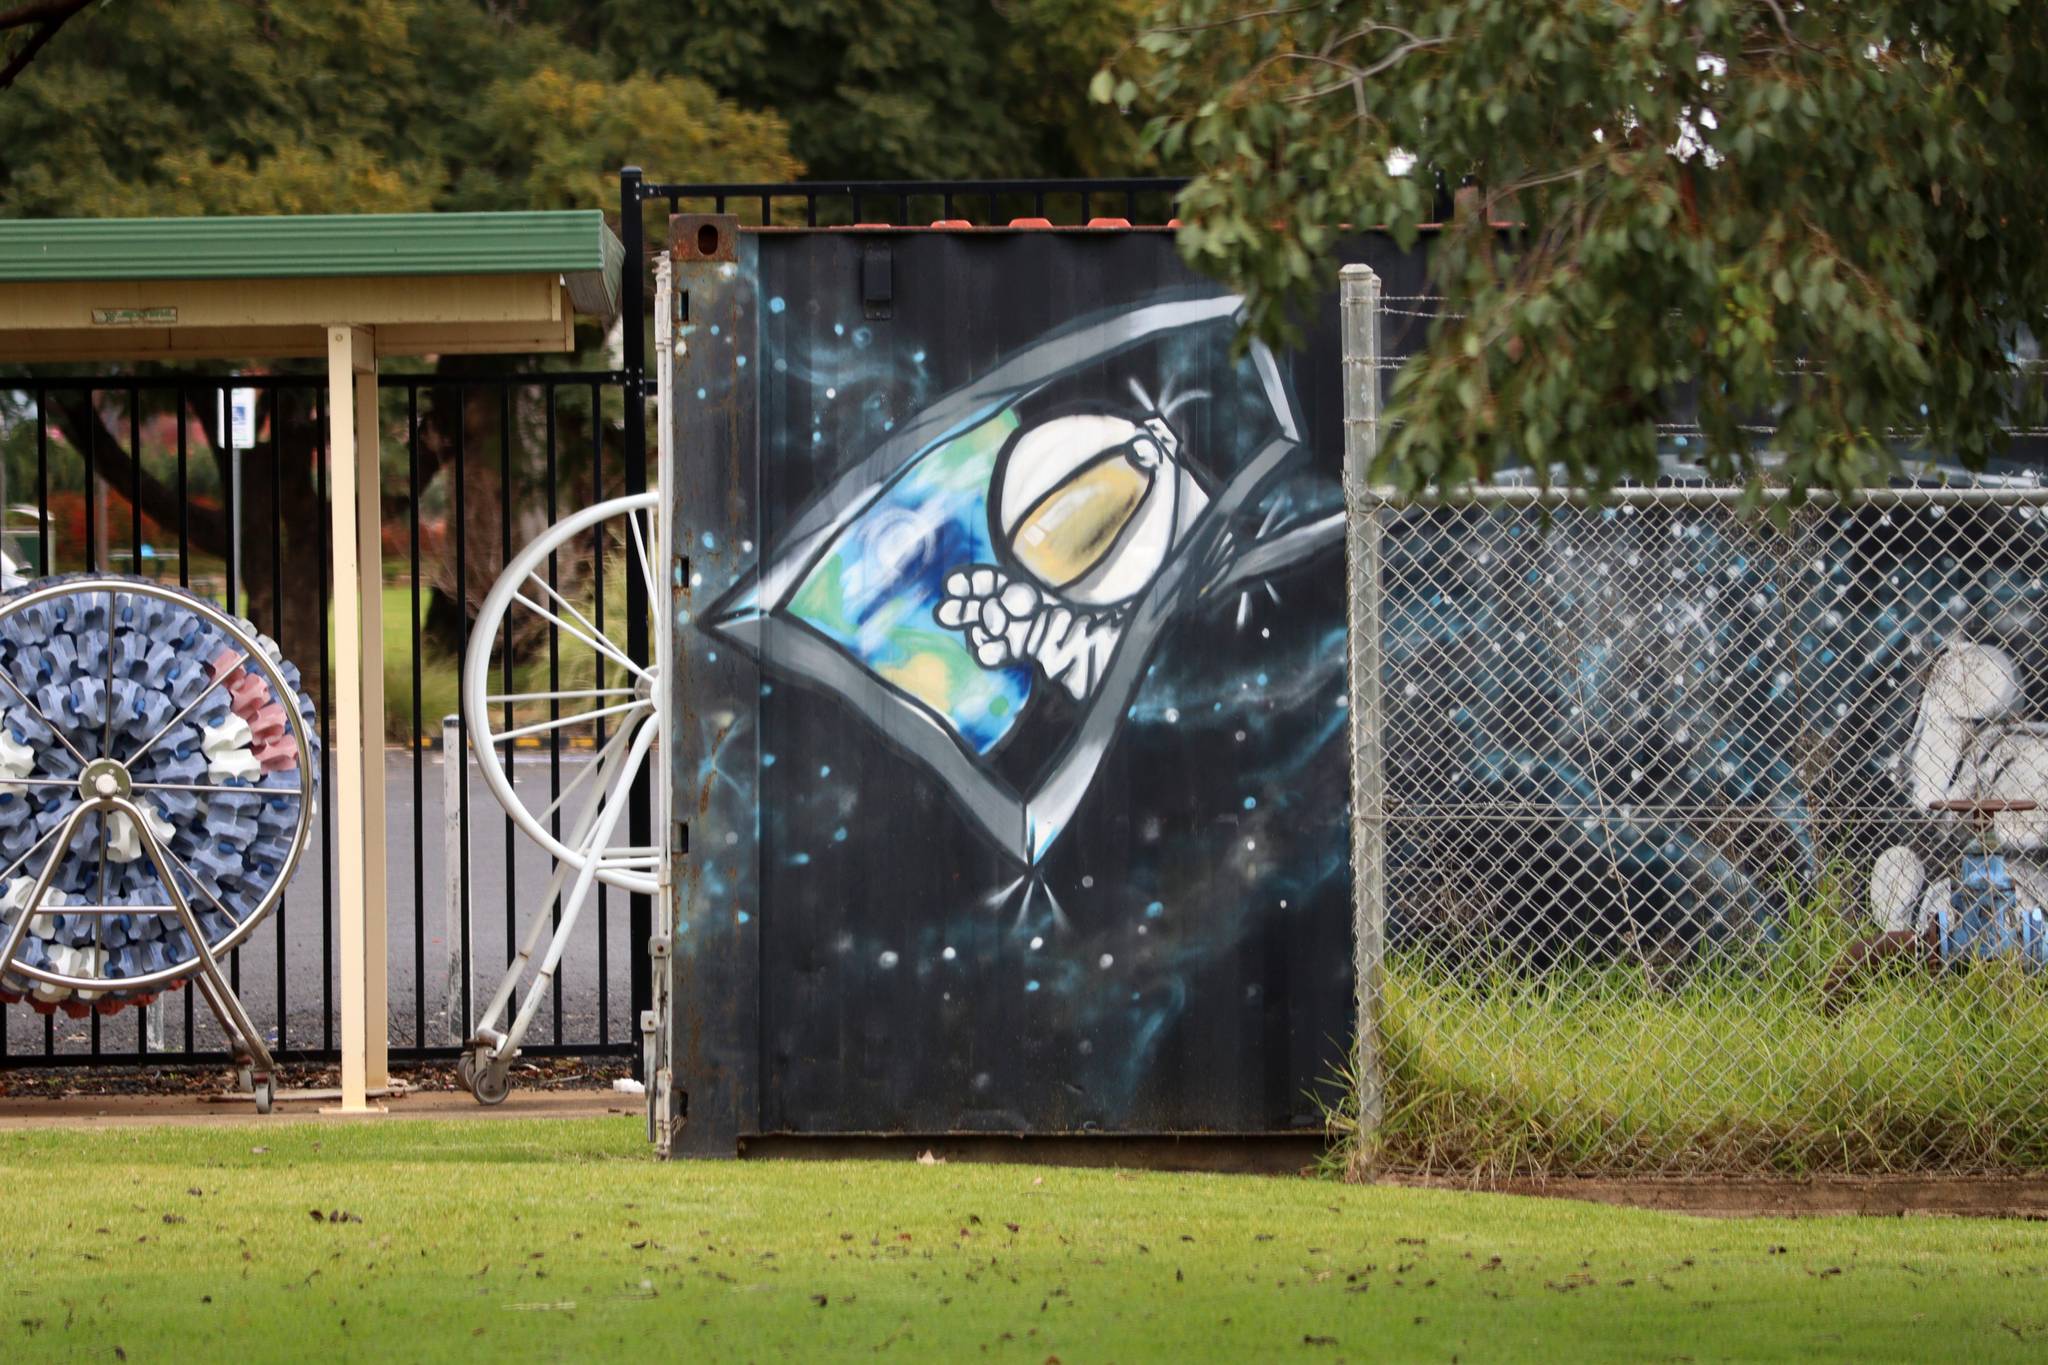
(704, 237)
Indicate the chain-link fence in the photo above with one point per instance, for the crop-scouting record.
(1690, 842)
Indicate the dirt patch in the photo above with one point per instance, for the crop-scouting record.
(1990, 1196)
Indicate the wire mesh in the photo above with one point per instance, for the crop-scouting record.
(1707, 841)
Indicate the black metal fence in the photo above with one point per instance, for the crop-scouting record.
(135, 474)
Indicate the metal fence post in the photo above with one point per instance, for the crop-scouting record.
(639, 815)
(455, 904)
(1359, 303)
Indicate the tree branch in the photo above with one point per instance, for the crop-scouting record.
(86, 430)
(41, 12)
(51, 15)
(1229, 21)
(1356, 76)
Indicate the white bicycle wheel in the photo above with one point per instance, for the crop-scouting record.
(596, 693)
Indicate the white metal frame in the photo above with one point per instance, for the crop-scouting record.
(591, 853)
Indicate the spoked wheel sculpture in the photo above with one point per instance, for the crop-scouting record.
(157, 789)
(598, 692)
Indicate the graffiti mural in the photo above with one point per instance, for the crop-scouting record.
(1030, 534)
(1027, 730)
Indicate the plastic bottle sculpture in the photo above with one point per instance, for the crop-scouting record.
(123, 695)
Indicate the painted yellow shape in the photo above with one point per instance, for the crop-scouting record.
(1071, 528)
(925, 677)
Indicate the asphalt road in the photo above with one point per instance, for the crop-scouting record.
(422, 932)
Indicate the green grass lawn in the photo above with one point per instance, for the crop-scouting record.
(561, 1240)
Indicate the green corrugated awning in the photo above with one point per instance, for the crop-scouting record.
(573, 243)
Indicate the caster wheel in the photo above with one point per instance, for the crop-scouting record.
(265, 1092)
(245, 1078)
(491, 1086)
(465, 1071)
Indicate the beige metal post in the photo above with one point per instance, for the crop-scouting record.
(357, 679)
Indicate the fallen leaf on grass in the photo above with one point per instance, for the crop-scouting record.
(1308, 1340)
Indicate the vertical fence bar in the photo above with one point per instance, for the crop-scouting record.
(278, 919)
(462, 652)
(416, 736)
(92, 484)
(1359, 304)
(639, 816)
(184, 496)
(153, 1020)
(419, 868)
(604, 976)
(549, 475)
(135, 564)
(325, 454)
(43, 482)
(455, 986)
(47, 558)
(511, 756)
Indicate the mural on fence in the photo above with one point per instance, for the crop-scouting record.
(1640, 729)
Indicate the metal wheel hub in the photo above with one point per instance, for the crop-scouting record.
(104, 779)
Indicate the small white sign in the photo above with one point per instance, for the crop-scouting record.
(242, 418)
